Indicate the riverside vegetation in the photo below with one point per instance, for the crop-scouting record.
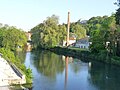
(12, 39)
(104, 32)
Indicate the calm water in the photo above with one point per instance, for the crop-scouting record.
(56, 72)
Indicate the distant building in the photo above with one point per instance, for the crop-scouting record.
(29, 34)
(83, 22)
(72, 40)
(83, 43)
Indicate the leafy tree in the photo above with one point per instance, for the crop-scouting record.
(10, 39)
(13, 38)
(117, 18)
(2, 33)
(102, 31)
(79, 30)
(96, 34)
(61, 34)
(8, 55)
(48, 33)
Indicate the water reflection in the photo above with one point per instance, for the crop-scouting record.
(105, 77)
(48, 64)
(55, 72)
(66, 70)
(21, 55)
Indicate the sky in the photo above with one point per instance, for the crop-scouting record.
(26, 14)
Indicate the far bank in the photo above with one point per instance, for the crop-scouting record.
(86, 55)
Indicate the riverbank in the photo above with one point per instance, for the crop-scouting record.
(15, 69)
(72, 52)
(10, 74)
(86, 55)
(55, 72)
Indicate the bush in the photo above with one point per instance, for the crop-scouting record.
(115, 60)
(9, 55)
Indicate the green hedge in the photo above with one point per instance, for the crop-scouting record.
(77, 53)
(86, 55)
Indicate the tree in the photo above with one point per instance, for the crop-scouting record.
(48, 33)
(10, 39)
(102, 31)
(13, 38)
(117, 18)
(96, 34)
(79, 30)
(61, 34)
(2, 33)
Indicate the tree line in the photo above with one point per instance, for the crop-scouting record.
(104, 32)
(50, 33)
(11, 39)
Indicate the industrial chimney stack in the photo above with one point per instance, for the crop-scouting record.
(68, 29)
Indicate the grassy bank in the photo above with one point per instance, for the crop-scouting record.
(73, 52)
(86, 55)
(8, 55)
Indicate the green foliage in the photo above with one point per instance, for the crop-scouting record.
(103, 30)
(48, 33)
(7, 54)
(117, 15)
(72, 52)
(47, 63)
(115, 60)
(79, 30)
(61, 34)
(29, 75)
(2, 34)
(12, 38)
(117, 18)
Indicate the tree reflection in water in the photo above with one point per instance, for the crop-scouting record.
(53, 72)
(104, 77)
(48, 64)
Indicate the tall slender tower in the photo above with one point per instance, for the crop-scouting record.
(68, 29)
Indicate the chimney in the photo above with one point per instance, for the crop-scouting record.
(68, 29)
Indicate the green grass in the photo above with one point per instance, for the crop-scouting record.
(79, 49)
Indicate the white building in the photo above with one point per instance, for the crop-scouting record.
(83, 43)
(72, 40)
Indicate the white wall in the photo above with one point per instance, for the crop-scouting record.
(82, 45)
(70, 42)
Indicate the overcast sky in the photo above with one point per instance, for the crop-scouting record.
(26, 14)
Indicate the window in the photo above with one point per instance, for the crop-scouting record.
(81, 46)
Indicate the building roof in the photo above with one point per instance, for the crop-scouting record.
(83, 40)
(72, 38)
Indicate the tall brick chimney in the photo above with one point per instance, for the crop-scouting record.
(68, 29)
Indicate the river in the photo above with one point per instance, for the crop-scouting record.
(57, 72)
